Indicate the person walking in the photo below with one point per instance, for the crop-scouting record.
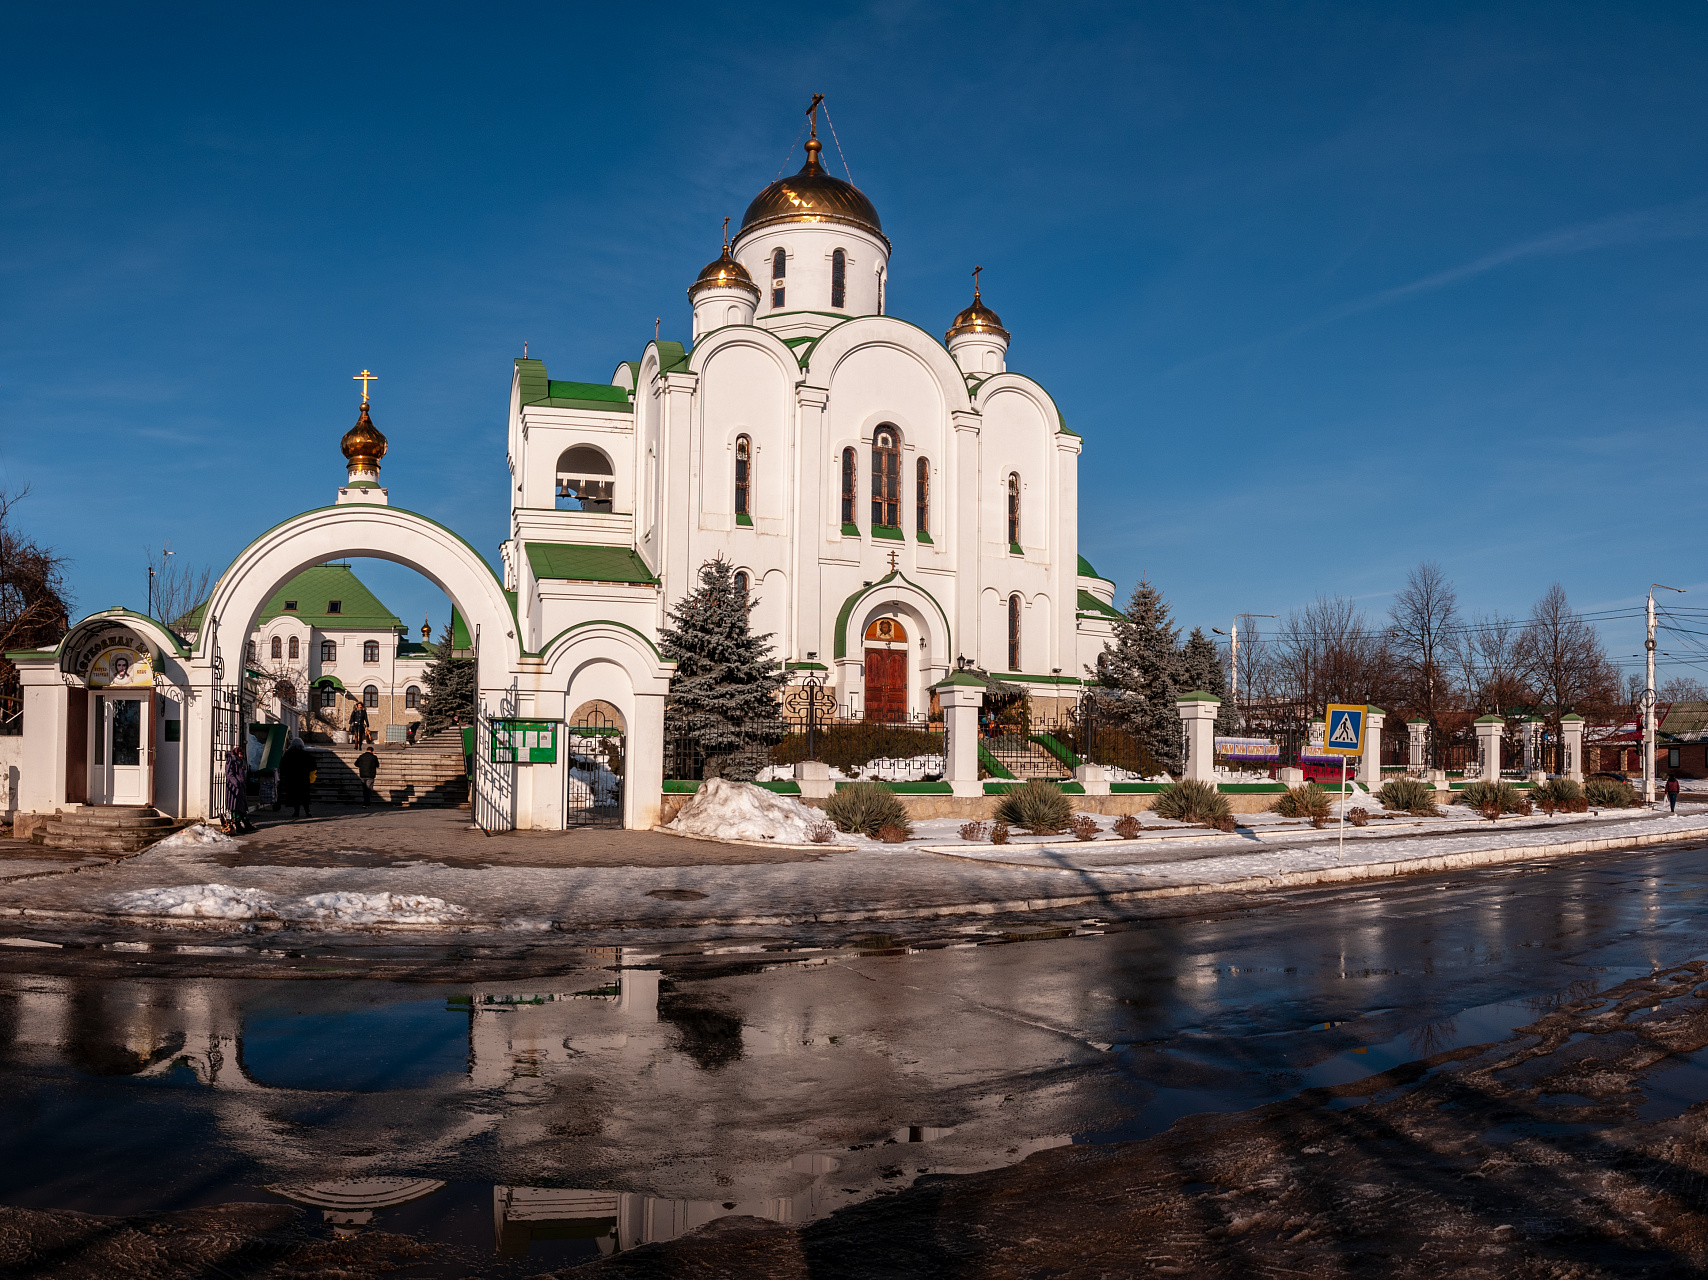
(237, 791)
(1672, 792)
(296, 772)
(359, 724)
(367, 769)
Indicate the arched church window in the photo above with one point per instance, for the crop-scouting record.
(1013, 510)
(279, 647)
(584, 479)
(1014, 633)
(370, 697)
(848, 486)
(838, 278)
(741, 583)
(371, 651)
(743, 474)
(329, 651)
(412, 698)
(886, 477)
(249, 651)
(779, 269)
(922, 496)
(295, 652)
(328, 697)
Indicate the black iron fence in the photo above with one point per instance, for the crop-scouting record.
(11, 712)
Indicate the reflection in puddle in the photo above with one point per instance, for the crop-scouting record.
(350, 1202)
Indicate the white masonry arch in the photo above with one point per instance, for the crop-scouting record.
(371, 530)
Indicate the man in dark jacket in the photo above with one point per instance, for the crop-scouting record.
(294, 774)
(367, 768)
(359, 724)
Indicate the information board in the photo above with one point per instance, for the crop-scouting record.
(524, 741)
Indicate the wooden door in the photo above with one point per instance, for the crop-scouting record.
(886, 685)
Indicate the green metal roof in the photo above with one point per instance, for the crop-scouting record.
(313, 589)
(1086, 571)
(537, 389)
(583, 562)
(1089, 603)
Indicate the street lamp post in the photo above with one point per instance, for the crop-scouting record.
(1233, 661)
(1649, 700)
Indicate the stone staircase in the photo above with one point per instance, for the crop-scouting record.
(426, 775)
(104, 828)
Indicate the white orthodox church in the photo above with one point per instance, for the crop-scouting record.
(896, 505)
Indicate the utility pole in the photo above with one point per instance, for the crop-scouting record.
(1233, 660)
(1649, 700)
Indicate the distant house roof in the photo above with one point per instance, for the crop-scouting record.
(312, 591)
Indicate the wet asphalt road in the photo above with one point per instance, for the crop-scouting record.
(764, 1084)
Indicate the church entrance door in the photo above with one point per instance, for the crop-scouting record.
(886, 685)
(121, 733)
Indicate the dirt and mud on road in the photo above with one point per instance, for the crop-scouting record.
(1560, 1153)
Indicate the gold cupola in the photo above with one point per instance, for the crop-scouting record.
(812, 195)
(977, 339)
(724, 273)
(363, 447)
(977, 318)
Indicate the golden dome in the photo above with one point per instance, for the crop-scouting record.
(725, 273)
(812, 195)
(977, 318)
(363, 444)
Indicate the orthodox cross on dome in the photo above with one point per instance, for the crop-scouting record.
(813, 112)
(976, 271)
(726, 237)
(364, 377)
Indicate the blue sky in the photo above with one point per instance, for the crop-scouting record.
(1327, 288)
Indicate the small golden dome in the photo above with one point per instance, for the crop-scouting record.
(812, 195)
(977, 318)
(725, 273)
(363, 444)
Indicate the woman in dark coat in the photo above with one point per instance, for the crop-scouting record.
(237, 790)
(294, 770)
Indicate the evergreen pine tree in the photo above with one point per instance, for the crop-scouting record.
(1139, 676)
(450, 688)
(1202, 670)
(724, 693)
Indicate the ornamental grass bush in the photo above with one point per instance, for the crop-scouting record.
(1610, 793)
(1408, 795)
(1307, 800)
(1038, 806)
(866, 807)
(1562, 794)
(1492, 799)
(1126, 826)
(1190, 800)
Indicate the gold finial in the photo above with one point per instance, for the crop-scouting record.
(364, 377)
(524, 348)
(656, 321)
(426, 630)
(976, 271)
(814, 146)
(726, 237)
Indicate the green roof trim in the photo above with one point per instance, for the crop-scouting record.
(924, 536)
(888, 532)
(850, 530)
(1375, 711)
(460, 637)
(535, 388)
(805, 666)
(334, 681)
(1086, 571)
(602, 622)
(586, 562)
(840, 648)
(1015, 549)
(1197, 695)
(672, 356)
(1571, 716)
(743, 520)
(1489, 720)
(1065, 429)
(314, 588)
(960, 679)
(1090, 604)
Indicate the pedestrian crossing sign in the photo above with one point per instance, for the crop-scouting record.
(1344, 731)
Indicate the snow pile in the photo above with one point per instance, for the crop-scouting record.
(891, 769)
(206, 901)
(725, 810)
(346, 907)
(200, 836)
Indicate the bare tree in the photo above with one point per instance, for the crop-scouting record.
(1562, 657)
(1490, 666)
(1683, 689)
(1421, 629)
(178, 586)
(1328, 652)
(34, 604)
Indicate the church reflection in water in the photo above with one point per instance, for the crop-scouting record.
(401, 1085)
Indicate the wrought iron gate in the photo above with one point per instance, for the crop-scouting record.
(596, 758)
(227, 733)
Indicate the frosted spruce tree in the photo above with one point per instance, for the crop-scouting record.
(724, 692)
(1139, 676)
(450, 688)
(1202, 669)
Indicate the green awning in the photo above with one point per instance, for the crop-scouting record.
(334, 681)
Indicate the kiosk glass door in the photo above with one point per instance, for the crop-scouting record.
(120, 757)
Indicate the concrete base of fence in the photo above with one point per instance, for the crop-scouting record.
(982, 808)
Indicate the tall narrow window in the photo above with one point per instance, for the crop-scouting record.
(249, 651)
(412, 698)
(741, 583)
(848, 486)
(886, 478)
(779, 269)
(328, 651)
(1013, 510)
(328, 698)
(279, 648)
(295, 652)
(1014, 633)
(743, 474)
(371, 651)
(922, 497)
(838, 278)
(370, 697)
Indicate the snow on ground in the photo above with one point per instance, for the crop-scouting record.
(200, 836)
(725, 810)
(345, 907)
(201, 901)
(226, 902)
